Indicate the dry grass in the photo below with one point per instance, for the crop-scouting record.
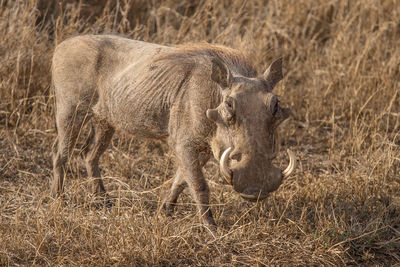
(342, 64)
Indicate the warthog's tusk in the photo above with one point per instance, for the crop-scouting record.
(292, 164)
(223, 165)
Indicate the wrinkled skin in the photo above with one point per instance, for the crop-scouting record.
(195, 97)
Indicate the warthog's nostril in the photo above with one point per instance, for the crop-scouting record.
(236, 156)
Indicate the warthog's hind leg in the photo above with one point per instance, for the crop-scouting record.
(97, 143)
(69, 123)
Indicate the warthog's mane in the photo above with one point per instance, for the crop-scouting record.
(189, 54)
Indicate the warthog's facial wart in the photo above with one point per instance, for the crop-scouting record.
(244, 140)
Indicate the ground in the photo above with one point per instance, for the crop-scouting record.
(342, 77)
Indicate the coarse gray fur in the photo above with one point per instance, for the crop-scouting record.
(196, 96)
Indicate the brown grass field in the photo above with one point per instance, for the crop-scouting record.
(342, 205)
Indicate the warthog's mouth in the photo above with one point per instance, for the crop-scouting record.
(253, 198)
(227, 173)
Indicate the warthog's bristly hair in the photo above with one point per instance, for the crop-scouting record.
(235, 60)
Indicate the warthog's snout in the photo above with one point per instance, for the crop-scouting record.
(246, 179)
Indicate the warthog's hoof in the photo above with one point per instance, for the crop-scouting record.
(168, 208)
(212, 228)
(103, 201)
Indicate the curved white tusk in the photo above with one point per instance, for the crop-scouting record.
(292, 164)
(223, 165)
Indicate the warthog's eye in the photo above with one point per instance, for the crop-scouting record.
(276, 108)
(229, 104)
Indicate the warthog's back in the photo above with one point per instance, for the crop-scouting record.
(96, 55)
(111, 75)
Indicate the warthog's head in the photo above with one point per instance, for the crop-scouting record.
(246, 121)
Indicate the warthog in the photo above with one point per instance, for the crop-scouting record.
(197, 96)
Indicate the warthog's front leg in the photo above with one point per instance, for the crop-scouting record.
(178, 185)
(191, 170)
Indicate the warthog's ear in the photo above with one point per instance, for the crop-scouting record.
(220, 73)
(274, 72)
